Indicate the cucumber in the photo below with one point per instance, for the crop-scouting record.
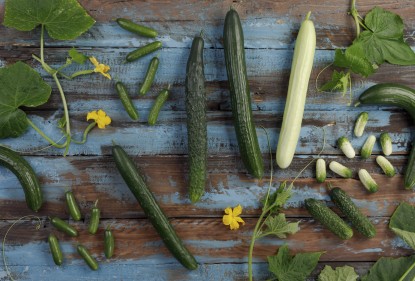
(150, 74)
(26, 176)
(148, 203)
(401, 96)
(126, 100)
(55, 249)
(155, 109)
(350, 210)
(233, 38)
(196, 120)
(143, 51)
(136, 28)
(88, 258)
(328, 218)
(297, 91)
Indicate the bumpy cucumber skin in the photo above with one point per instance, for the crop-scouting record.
(136, 28)
(155, 109)
(350, 210)
(196, 120)
(328, 218)
(26, 176)
(240, 95)
(401, 96)
(126, 100)
(148, 203)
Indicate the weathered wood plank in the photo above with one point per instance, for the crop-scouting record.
(267, 24)
(93, 178)
(137, 240)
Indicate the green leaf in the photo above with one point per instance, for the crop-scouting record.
(63, 19)
(289, 268)
(384, 39)
(388, 269)
(355, 59)
(344, 273)
(278, 198)
(278, 226)
(77, 56)
(20, 86)
(402, 223)
(339, 82)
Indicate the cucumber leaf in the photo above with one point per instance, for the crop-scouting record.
(344, 273)
(387, 269)
(339, 82)
(20, 85)
(383, 40)
(292, 268)
(77, 56)
(354, 58)
(402, 223)
(278, 226)
(63, 19)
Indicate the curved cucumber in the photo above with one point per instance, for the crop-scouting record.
(401, 96)
(148, 203)
(297, 91)
(126, 101)
(196, 120)
(350, 210)
(25, 174)
(151, 73)
(240, 96)
(155, 110)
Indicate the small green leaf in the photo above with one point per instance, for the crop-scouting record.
(402, 223)
(388, 269)
(278, 198)
(355, 59)
(339, 82)
(62, 122)
(344, 273)
(20, 86)
(289, 268)
(63, 19)
(278, 226)
(384, 39)
(77, 56)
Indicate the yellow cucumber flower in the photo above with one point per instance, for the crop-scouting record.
(100, 67)
(232, 217)
(100, 117)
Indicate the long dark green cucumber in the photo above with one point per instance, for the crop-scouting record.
(328, 218)
(401, 96)
(196, 120)
(126, 100)
(26, 176)
(150, 74)
(148, 203)
(155, 109)
(350, 210)
(136, 28)
(142, 51)
(240, 95)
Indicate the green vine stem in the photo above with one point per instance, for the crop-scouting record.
(86, 132)
(55, 144)
(355, 15)
(5, 236)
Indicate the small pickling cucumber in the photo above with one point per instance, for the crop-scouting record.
(88, 258)
(149, 78)
(368, 182)
(386, 166)
(344, 144)
(360, 124)
(55, 249)
(352, 212)
(386, 144)
(136, 28)
(143, 51)
(25, 174)
(95, 217)
(368, 147)
(109, 242)
(72, 206)
(340, 169)
(155, 109)
(126, 100)
(328, 218)
(320, 170)
(64, 226)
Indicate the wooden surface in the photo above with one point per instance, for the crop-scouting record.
(270, 28)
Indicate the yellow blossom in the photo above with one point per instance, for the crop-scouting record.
(100, 67)
(232, 217)
(100, 117)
